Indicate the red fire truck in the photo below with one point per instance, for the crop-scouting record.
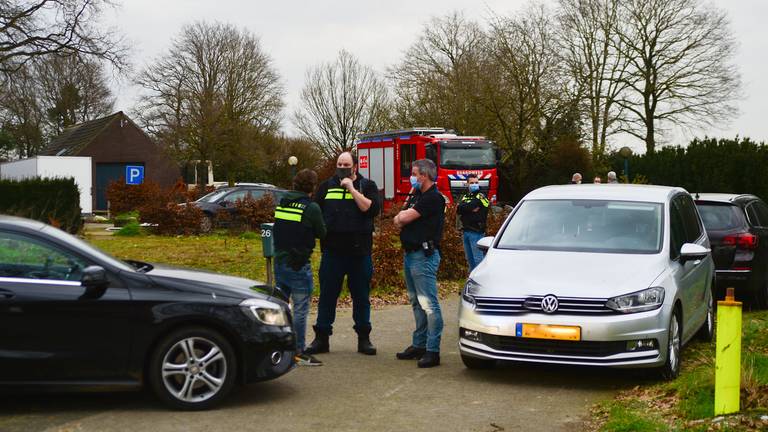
(386, 157)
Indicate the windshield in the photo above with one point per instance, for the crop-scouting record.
(214, 196)
(719, 217)
(452, 156)
(585, 226)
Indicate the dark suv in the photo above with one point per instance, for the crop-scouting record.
(225, 198)
(737, 226)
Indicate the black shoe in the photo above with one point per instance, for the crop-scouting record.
(305, 359)
(320, 344)
(429, 359)
(411, 353)
(364, 345)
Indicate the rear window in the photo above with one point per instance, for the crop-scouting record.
(720, 217)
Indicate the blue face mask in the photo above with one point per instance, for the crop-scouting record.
(415, 182)
(474, 187)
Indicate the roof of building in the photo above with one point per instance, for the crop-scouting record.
(618, 192)
(76, 138)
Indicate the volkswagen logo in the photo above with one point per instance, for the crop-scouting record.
(549, 304)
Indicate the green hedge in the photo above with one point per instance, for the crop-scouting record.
(709, 165)
(53, 201)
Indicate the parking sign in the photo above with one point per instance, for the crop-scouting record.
(134, 174)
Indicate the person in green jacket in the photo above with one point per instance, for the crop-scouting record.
(298, 222)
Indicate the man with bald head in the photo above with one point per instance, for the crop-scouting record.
(349, 202)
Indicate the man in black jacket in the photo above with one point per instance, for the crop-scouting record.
(473, 209)
(349, 202)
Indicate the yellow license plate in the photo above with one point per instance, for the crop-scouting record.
(548, 331)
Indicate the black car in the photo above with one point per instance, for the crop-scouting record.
(225, 198)
(72, 316)
(737, 226)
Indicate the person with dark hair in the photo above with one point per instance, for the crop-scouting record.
(349, 203)
(473, 210)
(421, 224)
(298, 221)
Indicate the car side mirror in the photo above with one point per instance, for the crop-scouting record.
(95, 281)
(485, 243)
(693, 252)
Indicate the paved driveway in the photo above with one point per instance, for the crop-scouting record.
(352, 392)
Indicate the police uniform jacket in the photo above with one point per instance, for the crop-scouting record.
(350, 230)
(298, 222)
(428, 228)
(472, 220)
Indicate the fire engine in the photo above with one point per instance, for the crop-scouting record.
(386, 157)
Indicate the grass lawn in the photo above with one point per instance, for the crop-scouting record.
(238, 256)
(688, 402)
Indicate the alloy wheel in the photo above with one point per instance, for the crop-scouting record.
(194, 369)
(674, 344)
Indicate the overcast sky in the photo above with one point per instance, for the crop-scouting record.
(299, 34)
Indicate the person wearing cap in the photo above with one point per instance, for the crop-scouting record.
(298, 222)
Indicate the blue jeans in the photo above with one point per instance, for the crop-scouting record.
(298, 285)
(358, 270)
(421, 279)
(471, 251)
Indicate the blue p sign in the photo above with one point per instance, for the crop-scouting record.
(134, 174)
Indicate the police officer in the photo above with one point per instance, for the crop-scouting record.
(298, 221)
(349, 203)
(473, 209)
(421, 224)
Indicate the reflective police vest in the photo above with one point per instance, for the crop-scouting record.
(340, 211)
(475, 221)
(290, 234)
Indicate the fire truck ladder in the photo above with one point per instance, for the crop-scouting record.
(395, 133)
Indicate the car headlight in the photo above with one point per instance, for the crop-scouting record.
(649, 299)
(471, 288)
(265, 311)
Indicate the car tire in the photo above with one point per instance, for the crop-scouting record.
(206, 224)
(707, 330)
(477, 363)
(193, 368)
(671, 368)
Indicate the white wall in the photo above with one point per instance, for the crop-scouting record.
(78, 168)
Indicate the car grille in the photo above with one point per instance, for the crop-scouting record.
(554, 347)
(566, 305)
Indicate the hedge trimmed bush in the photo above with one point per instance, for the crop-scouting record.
(708, 165)
(53, 201)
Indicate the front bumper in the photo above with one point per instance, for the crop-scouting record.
(603, 338)
(268, 354)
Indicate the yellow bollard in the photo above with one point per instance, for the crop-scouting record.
(728, 355)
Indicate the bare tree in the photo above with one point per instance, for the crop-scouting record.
(525, 52)
(592, 50)
(36, 28)
(23, 116)
(212, 95)
(73, 90)
(681, 66)
(441, 80)
(49, 94)
(340, 100)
